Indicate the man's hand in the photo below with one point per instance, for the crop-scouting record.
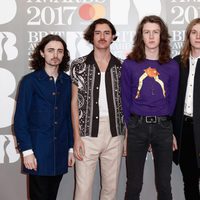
(30, 162)
(79, 148)
(71, 159)
(174, 145)
(124, 153)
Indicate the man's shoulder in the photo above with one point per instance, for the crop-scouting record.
(29, 76)
(66, 76)
(117, 59)
(177, 58)
(79, 60)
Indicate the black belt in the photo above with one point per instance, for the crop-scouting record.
(151, 119)
(188, 119)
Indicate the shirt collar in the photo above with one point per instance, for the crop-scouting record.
(90, 59)
(42, 75)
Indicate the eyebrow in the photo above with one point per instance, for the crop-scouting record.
(108, 31)
(151, 30)
(51, 48)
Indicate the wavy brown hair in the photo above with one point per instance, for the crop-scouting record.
(89, 32)
(186, 49)
(37, 61)
(138, 50)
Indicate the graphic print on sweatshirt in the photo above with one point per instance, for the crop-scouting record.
(151, 73)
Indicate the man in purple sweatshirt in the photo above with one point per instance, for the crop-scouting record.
(149, 85)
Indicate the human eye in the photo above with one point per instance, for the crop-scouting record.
(145, 32)
(156, 31)
(60, 51)
(107, 32)
(97, 32)
(50, 50)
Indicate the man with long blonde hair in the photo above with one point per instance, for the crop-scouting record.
(187, 113)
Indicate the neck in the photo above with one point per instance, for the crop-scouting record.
(102, 59)
(152, 54)
(52, 71)
(101, 53)
(195, 52)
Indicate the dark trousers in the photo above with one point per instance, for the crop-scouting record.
(188, 163)
(44, 187)
(140, 136)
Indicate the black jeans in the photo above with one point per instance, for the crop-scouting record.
(188, 163)
(140, 136)
(44, 187)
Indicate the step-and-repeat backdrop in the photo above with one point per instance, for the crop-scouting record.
(24, 22)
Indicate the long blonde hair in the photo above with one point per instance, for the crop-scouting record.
(186, 49)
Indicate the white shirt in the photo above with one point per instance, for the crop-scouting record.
(103, 104)
(188, 107)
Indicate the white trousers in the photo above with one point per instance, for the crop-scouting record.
(109, 150)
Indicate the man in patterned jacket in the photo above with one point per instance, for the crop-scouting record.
(97, 113)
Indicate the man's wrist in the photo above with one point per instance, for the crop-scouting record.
(27, 152)
(71, 150)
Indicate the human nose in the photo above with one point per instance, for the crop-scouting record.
(151, 34)
(102, 35)
(55, 54)
(198, 35)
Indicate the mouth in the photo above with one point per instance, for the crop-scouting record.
(55, 60)
(102, 41)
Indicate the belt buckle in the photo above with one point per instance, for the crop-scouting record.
(151, 119)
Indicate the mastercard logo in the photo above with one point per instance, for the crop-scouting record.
(91, 11)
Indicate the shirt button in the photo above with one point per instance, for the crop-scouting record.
(98, 73)
(96, 102)
(55, 138)
(53, 93)
(51, 78)
(56, 107)
(97, 88)
(55, 123)
(97, 117)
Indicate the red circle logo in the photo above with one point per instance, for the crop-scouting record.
(91, 12)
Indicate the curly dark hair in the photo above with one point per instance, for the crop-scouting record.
(138, 50)
(89, 32)
(37, 61)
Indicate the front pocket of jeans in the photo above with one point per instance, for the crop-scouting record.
(133, 122)
(166, 124)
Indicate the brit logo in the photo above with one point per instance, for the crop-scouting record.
(8, 50)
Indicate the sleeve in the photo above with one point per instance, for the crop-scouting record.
(73, 74)
(21, 116)
(70, 135)
(174, 83)
(126, 91)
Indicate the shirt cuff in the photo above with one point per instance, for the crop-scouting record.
(71, 150)
(27, 152)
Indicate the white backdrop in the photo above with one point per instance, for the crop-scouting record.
(24, 22)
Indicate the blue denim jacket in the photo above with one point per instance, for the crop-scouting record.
(42, 121)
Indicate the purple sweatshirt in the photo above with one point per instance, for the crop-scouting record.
(149, 88)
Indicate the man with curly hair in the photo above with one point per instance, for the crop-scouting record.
(42, 121)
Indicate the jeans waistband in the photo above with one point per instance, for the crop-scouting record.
(151, 119)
